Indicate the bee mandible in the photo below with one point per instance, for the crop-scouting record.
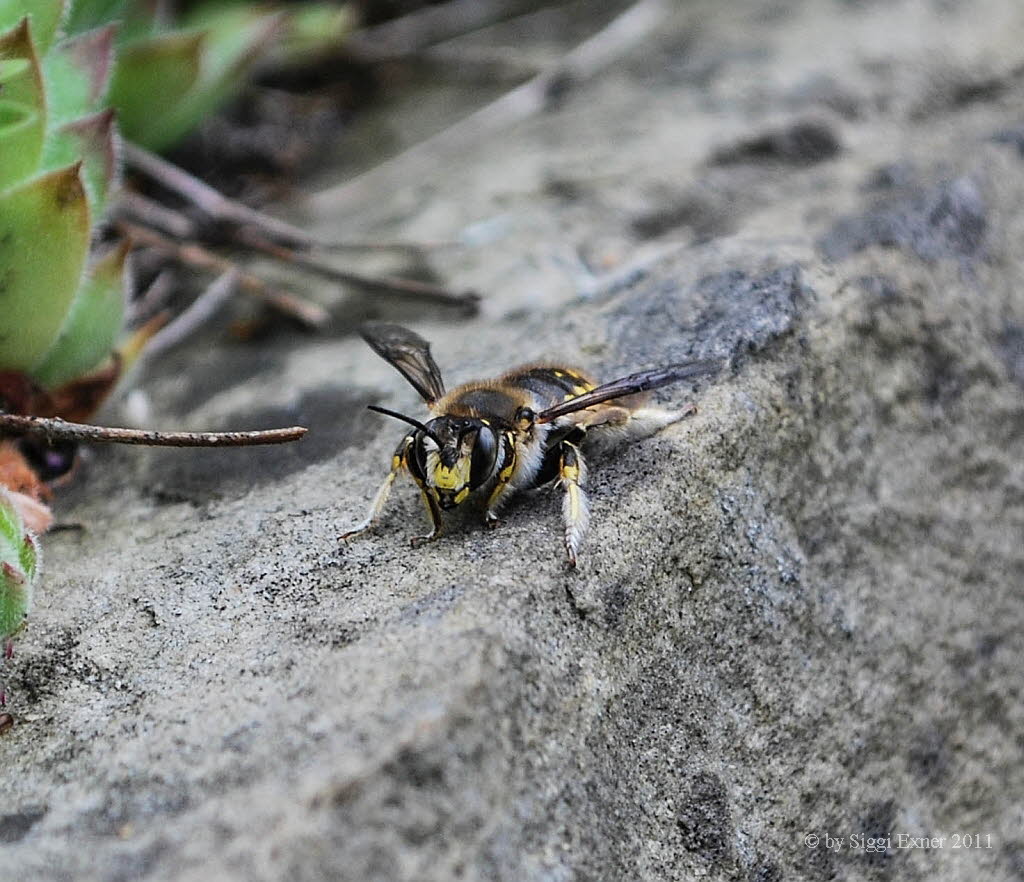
(522, 430)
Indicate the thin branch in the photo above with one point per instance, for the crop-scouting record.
(210, 201)
(153, 298)
(431, 24)
(153, 214)
(191, 254)
(199, 312)
(15, 425)
(466, 300)
(222, 209)
(622, 34)
(482, 63)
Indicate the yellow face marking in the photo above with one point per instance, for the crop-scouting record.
(445, 478)
(452, 478)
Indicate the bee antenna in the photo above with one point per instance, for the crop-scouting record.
(406, 419)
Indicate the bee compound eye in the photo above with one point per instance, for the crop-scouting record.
(485, 452)
(417, 458)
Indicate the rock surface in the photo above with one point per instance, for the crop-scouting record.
(798, 612)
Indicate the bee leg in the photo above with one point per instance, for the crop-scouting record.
(494, 504)
(613, 425)
(398, 462)
(502, 490)
(434, 510)
(646, 421)
(572, 473)
(610, 415)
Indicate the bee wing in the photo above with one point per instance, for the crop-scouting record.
(642, 381)
(409, 354)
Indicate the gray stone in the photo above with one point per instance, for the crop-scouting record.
(797, 612)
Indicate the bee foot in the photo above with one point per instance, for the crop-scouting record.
(351, 534)
(417, 541)
(685, 412)
(491, 521)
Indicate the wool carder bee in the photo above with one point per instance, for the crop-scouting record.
(519, 431)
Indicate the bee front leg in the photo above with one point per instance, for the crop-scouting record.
(502, 489)
(434, 511)
(575, 511)
(398, 462)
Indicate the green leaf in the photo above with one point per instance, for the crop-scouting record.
(77, 74)
(28, 556)
(11, 530)
(15, 598)
(14, 120)
(46, 17)
(24, 117)
(45, 229)
(226, 44)
(93, 141)
(151, 82)
(13, 68)
(92, 325)
(18, 567)
(316, 27)
(88, 14)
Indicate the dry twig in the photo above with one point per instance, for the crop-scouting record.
(221, 209)
(260, 232)
(153, 299)
(46, 429)
(199, 312)
(144, 210)
(481, 64)
(467, 300)
(191, 254)
(210, 201)
(432, 24)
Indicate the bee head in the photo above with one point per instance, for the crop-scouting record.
(460, 455)
(453, 456)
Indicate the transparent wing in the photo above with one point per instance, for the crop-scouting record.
(410, 355)
(642, 381)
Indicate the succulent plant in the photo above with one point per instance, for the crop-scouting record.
(190, 67)
(63, 304)
(63, 300)
(66, 72)
(19, 563)
(66, 66)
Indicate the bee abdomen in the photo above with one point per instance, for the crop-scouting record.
(550, 384)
